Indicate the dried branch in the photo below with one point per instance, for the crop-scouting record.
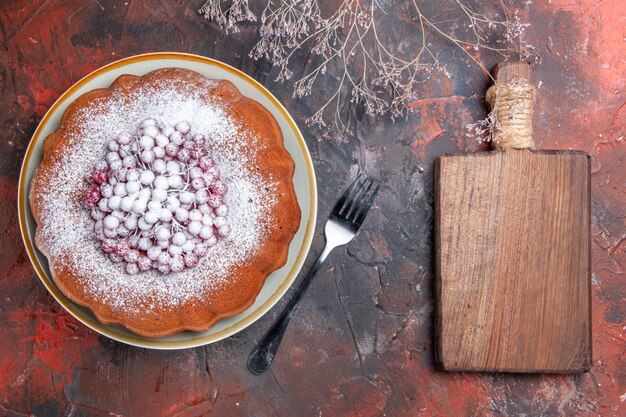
(227, 14)
(370, 70)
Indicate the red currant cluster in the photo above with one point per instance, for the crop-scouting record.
(157, 199)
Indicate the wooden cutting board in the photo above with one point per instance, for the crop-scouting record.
(512, 247)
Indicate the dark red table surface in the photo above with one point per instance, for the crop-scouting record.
(362, 342)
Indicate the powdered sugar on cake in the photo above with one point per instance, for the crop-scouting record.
(68, 232)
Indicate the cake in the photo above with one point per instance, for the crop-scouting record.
(164, 202)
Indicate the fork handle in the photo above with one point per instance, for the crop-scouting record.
(263, 354)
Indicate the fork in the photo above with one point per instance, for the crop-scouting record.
(342, 225)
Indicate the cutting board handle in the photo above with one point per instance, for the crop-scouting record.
(511, 102)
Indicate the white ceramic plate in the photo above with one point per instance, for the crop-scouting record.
(303, 180)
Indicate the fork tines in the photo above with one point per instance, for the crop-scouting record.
(357, 200)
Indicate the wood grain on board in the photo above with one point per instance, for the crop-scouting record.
(513, 261)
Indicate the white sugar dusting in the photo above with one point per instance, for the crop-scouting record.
(68, 227)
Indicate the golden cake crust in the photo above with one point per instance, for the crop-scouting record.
(245, 279)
